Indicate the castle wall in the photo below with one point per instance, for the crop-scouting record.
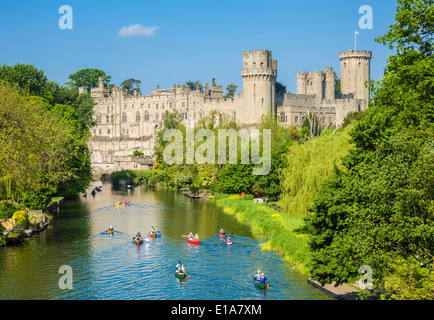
(131, 122)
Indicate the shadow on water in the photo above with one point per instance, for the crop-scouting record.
(112, 266)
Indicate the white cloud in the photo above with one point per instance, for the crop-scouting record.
(137, 30)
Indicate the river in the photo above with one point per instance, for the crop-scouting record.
(113, 267)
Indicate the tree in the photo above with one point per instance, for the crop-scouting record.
(195, 85)
(130, 85)
(280, 89)
(26, 76)
(338, 86)
(87, 78)
(231, 88)
(378, 207)
(414, 27)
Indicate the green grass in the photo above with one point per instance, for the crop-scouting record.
(276, 230)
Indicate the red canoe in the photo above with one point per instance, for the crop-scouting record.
(193, 241)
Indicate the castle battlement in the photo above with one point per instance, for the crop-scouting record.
(128, 121)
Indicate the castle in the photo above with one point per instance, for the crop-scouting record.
(128, 122)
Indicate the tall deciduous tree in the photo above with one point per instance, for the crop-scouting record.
(87, 78)
(130, 85)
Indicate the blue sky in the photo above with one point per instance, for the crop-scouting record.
(193, 40)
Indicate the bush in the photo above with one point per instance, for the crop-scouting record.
(22, 218)
(7, 209)
(35, 201)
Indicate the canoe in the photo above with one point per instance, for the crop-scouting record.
(228, 242)
(260, 284)
(138, 241)
(222, 234)
(193, 241)
(180, 275)
(154, 235)
(118, 205)
(111, 231)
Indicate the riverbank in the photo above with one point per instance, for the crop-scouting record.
(281, 233)
(276, 230)
(37, 220)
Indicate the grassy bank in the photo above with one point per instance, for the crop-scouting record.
(277, 231)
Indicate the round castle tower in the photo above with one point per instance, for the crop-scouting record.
(259, 85)
(355, 72)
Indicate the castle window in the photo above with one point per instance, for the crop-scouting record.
(124, 117)
(149, 106)
(183, 104)
(262, 64)
(200, 115)
(296, 119)
(132, 106)
(107, 119)
(157, 115)
(137, 116)
(156, 106)
(98, 118)
(126, 107)
(111, 119)
(330, 119)
(162, 105)
(108, 109)
(108, 131)
(100, 131)
(146, 116)
(282, 117)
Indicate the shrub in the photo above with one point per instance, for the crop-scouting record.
(7, 209)
(35, 201)
(22, 218)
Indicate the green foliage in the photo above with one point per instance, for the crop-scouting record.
(183, 180)
(280, 89)
(408, 279)
(130, 85)
(2, 236)
(87, 78)
(414, 27)
(381, 204)
(277, 232)
(26, 77)
(7, 209)
(230, 89)
(43, 147)
(195, 84)
(353, 116)
(35, 201)
(308, 165)
(137, 153)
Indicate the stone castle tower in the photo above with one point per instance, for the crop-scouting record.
(355, 73)
(259, 85)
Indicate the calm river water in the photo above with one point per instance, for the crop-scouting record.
(111, 266)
